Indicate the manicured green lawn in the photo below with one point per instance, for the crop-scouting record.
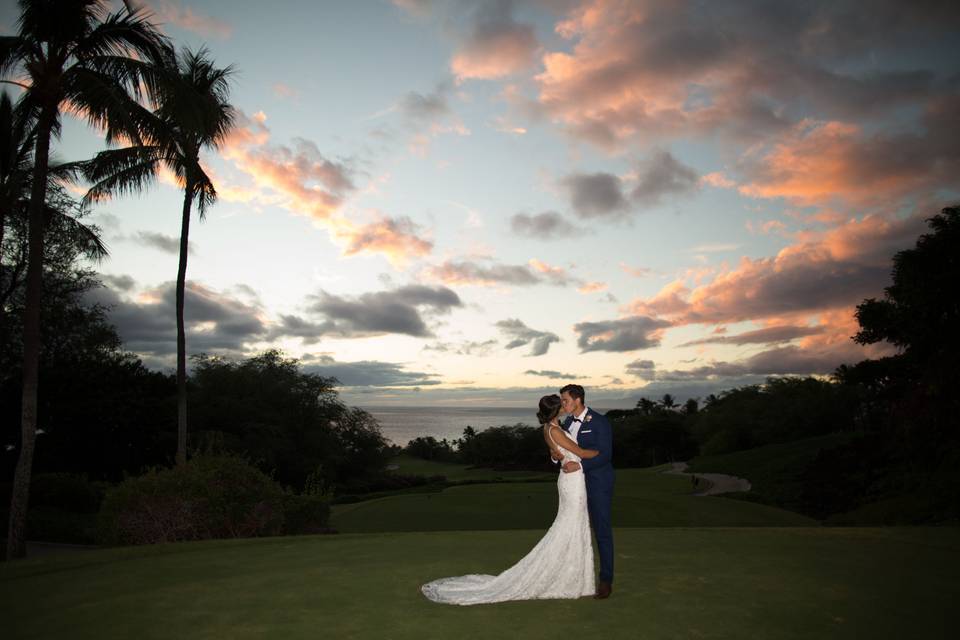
(410, 466)
(711, 582)
(642, 498)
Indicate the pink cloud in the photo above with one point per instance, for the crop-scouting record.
(639, 71)
(171, 12)
(822, 271)
(822, 162)
(398, 239)
(592, 287)
(496, 46)
(309, 182)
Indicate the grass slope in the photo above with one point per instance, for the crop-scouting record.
(773, 470)
(642, 498)
(410, 466)
(672, 583)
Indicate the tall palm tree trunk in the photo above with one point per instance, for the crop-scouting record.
(181, 334)
(16, 540)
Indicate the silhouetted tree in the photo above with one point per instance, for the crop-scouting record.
(72, 52)
(646, 406)
(192, 113)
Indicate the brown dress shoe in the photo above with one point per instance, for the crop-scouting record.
(604, 589)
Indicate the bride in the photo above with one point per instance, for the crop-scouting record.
(561, 564)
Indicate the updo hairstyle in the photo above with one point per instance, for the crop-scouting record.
(549, 408)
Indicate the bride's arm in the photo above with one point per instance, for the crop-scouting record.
(556, 455)
(567, 443)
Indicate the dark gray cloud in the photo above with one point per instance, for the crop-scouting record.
(297, 327)
(521, 335)
(641, 368)
(165, 243)
(395, 311)
(599, 195)
(469, 272)
(368, 373)
(751, 69)
(549, 373)
(495, 44)
(215, 322)
(776, 361)
(466, 348)
(767, 335)
(627, 334)
(222, 324)
(660, 175)
(543, 226)
(118, 283)
(596, 195)
(425, 107)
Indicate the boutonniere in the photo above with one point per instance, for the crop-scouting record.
(588, 418)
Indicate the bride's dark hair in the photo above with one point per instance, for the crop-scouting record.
(549, 408)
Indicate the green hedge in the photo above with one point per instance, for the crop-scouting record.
(215, 496)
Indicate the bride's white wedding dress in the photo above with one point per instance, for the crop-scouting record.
(559, 566)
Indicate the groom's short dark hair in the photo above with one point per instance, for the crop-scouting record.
(574, 391)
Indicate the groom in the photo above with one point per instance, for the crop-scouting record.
(592, 430)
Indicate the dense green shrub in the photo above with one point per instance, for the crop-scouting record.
(216, 496)
(780, 410)
(506, 447)
(67, 491)
(305, 513)
(646, 441)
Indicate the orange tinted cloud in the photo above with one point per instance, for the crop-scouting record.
(399, 239)
(821, 162)
(644, 70)
(821, 271)
(309, 182)
(300, 178)
(592, 287)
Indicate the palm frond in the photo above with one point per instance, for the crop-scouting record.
(67, 172)
(203, 191)
(87, 237)
(11, 49)
(104, 104)
(124, 35)
(125, 176)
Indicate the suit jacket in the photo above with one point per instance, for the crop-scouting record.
(595, 433)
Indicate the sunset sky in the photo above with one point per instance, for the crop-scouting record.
(461, 203)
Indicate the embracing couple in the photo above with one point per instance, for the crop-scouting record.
(561, 563)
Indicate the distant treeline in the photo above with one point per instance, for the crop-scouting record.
(660, 431)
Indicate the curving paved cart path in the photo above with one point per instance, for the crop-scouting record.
(717, 483)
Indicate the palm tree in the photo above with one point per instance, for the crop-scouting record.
(192, 113)
(66, 53)
(17, 140)
(646, 406)
(668, 402)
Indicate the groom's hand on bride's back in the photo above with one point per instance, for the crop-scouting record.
(571, 466)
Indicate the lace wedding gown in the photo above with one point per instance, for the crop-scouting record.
(559, 566)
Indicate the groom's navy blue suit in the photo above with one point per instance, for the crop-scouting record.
(596, 433)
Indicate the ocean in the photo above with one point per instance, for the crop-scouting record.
(400, 425)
